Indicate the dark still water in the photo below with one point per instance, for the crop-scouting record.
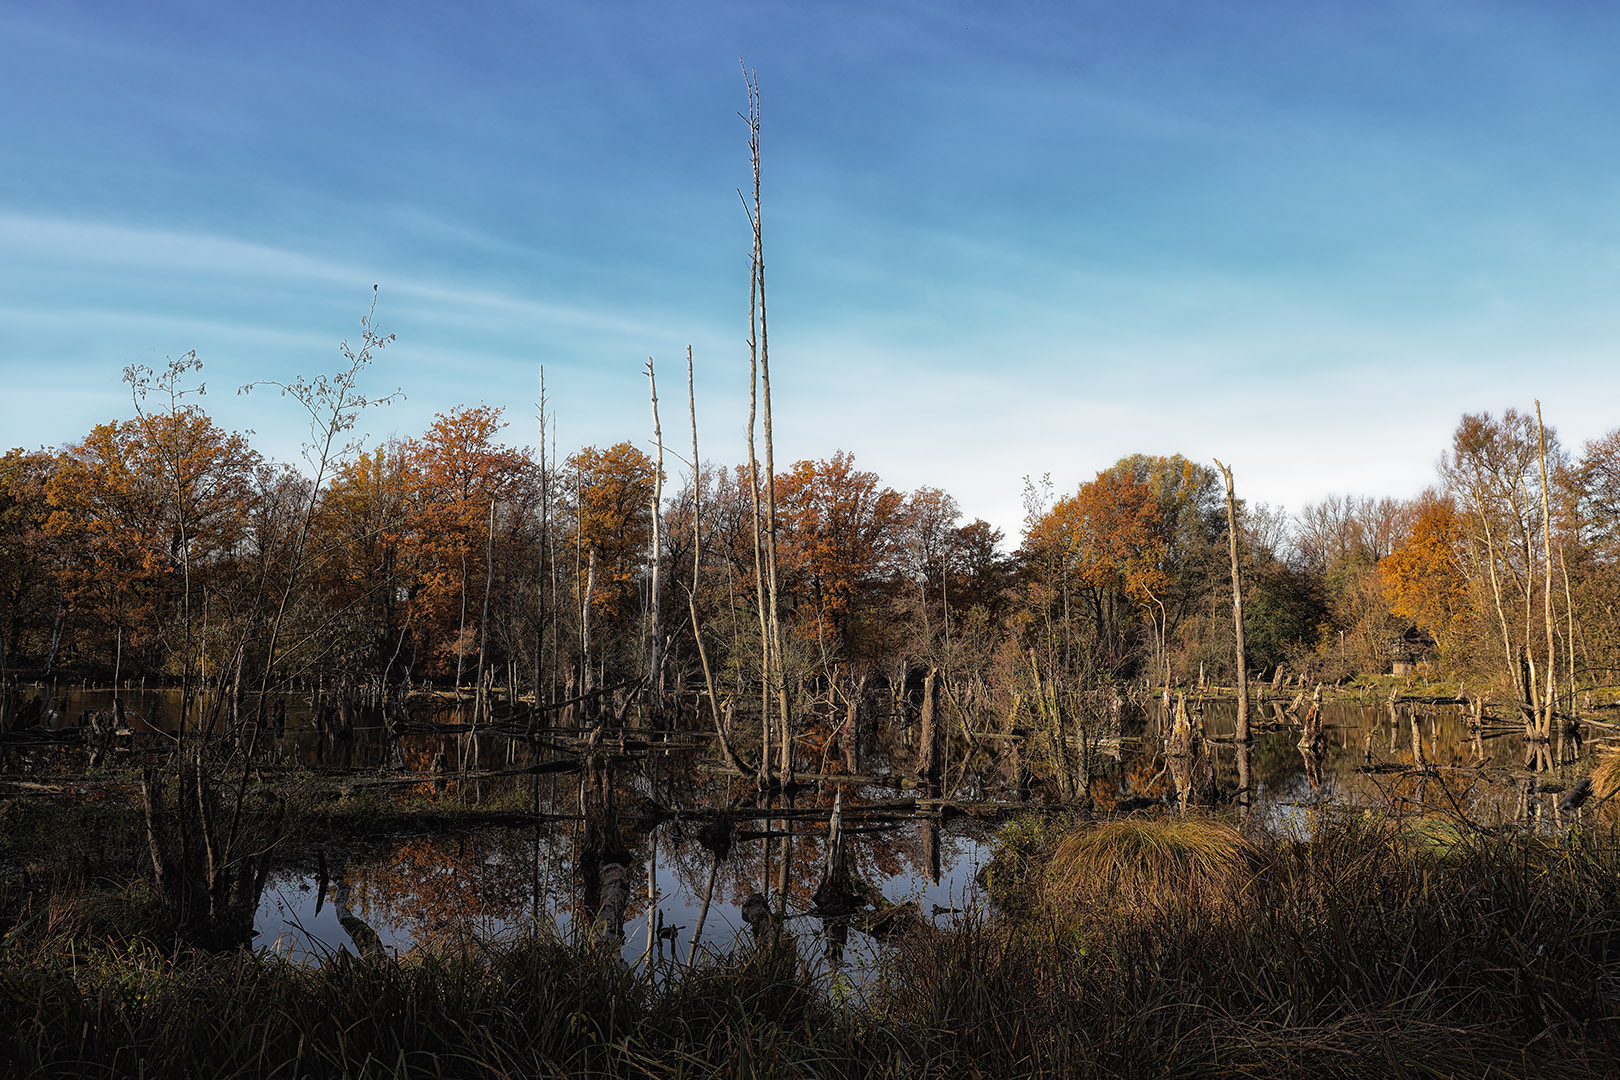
(917, 850)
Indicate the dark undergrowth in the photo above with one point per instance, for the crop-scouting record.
(1366, 950)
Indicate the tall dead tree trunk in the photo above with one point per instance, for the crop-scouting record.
(540, 592)
(1242, 733)
(587, 682)
(655, 660)
(785, 734)
(765, 577)
(765, 665)
(1549, 703)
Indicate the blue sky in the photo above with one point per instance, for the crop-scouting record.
(1002, 239)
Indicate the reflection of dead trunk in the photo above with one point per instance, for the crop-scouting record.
(1312, 756)
(785, 870)
(837, 942)
(756, 912)
(703, 914)
(835, 895)
(1245, 792)
(346, 709)
(209, 880)
(1187, 756)
(603, 860)
(928, 749)
(1418, 761)
(931, 855)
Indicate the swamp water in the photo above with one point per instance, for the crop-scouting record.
(923, 849)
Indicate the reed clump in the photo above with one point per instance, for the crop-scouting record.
(1132, 864)
(1605, 776)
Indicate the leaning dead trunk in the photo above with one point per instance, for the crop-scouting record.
(721, 726)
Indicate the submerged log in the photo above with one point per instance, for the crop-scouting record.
(756, 912)
(884, 919)
(365, 939)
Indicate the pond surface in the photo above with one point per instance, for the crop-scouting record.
(919, 845)
(494, 883)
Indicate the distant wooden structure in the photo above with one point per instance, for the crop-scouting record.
(1408, 652)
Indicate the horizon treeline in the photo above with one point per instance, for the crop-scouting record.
(161, 545)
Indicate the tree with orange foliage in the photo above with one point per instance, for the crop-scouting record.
(1424, 578)
(840, 532)
(1104, 545)
(141, 506)
(610, 498)
(458, 478)
(613, 516)
(373, 569)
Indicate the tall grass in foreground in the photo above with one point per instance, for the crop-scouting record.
(1361, 952)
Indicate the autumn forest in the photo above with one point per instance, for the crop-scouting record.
(160, 547)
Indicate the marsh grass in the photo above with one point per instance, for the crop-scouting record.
(1161, 863)
(1360, 948)
(1606, 776)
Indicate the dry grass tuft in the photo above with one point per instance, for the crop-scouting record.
(1606, 776)
(1158, 864)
